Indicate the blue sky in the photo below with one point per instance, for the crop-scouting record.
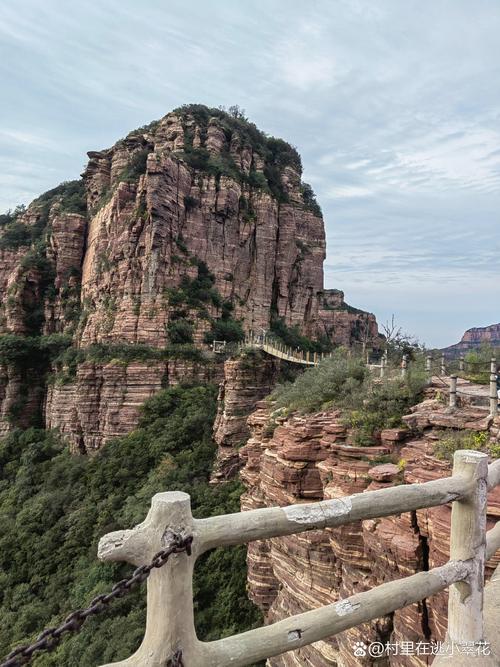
(394, 107)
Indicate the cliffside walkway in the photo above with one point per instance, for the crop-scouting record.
(473, 618)
(438, 371)
(277, 349)
(452, 376)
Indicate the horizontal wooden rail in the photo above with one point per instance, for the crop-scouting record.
(312, 626)
(170, 617)
(261, 524)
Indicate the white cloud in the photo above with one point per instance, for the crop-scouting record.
(394, 110)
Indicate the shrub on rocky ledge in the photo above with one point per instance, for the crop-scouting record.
(343, 381)
(451, 441)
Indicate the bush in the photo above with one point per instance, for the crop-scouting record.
(10, 216)
(383, 405)
(71, 194)
(227, 329)
(345, 382)
(310, 200)
(190, 203)
(56, 506)
(336, 380)
(20, 351)
(195, 292)
(136, 166)
(292, 337)
(15, 235)
(451, 441)
(180, 331)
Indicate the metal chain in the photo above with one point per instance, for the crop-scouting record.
(50, 638)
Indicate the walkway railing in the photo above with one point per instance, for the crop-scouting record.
(277, 349)
(170, 637)
(441, 368)
(447, 368)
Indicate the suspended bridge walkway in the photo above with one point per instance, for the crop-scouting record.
(277, 349)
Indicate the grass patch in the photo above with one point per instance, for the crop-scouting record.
(451, 441)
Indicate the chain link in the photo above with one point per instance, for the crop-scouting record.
(50, 638)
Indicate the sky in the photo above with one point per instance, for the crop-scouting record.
(394, 107)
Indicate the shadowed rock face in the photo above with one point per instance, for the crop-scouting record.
(116, 259)
(310, 458)
(473, 339)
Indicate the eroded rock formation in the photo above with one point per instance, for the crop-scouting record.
(247, 379)
(194, 227)
(312, 457)
(473, 339)
(345, 325)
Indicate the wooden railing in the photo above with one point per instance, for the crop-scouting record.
(438, 369)
(277, 349)
(170, 628)
(447, 368)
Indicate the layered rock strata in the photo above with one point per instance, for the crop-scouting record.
(176, 234)
(345, 325)
(312, 458)
(247, 379)
(104, 400)
(473, 339)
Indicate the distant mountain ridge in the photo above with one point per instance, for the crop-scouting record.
(474, 338)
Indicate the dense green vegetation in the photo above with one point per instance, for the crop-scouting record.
(197, 293)
(15, 233)
(54, 507)
(292, 337)
(66, 363)
(276, 153)
(344, 381)
(136, 166)
(31, 351)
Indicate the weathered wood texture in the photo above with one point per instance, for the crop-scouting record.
(170, 623)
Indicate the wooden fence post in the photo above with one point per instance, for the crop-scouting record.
(453, 391)
(461, 364)
(468, 543)
(493, 395)
(404, 365)
(170, 617)
(382, 366)
(428, 365)
(443, 365)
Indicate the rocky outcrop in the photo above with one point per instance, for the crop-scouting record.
(311, 458)
(473, 339)
(21, 397)
(159, 201)
(103, 401)
(247, 379)
(345, 325)
(195, 226)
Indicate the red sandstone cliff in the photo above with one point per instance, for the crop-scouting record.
(195, 219)
(345, 325)
(311, 458)
(473, 339)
